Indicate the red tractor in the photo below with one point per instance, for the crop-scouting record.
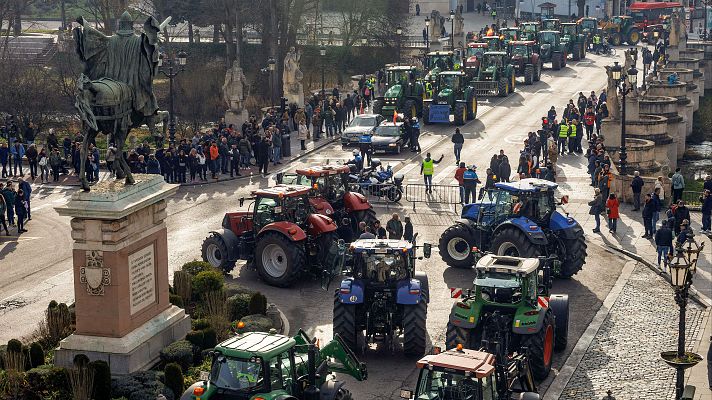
(278, 234)
(331, 194)
(475, 52)
(525, 58)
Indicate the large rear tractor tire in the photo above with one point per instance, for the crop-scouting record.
(344, 321)
(556, 61)
(502, 87)
(541, 347)
(529, 74)
(575, 256)
(460, 114)
(279, 260)
(615, 39)
(343, 394)
(378, 107)
(414, 329)
(576, 53)
(471, 106)
(559, 305)
(455, 335)
(513, 242)
(633, 37)
(410, 109)
(214, 252)
(537, 75)
(455, 246)
(325, 242)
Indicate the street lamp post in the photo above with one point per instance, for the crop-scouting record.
(628, 83)
(271, 66)
(399, 33)
(171, 73)
(427, 35)
(322, 55)
(683, 265)
(452, 30)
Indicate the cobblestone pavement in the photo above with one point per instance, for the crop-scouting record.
(625, 354)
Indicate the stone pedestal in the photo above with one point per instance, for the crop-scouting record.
(296, 97)
(679, 91)
(236, 118)
(120, 258)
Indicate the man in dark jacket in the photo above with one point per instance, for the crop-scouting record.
(224, 152)
(457, 141)
(663, 242)
(262, 155)
(27, 190)
(681, 213)
(648, 210)
(706, 200)
(153, 166)
(505, 169)
(637, 186)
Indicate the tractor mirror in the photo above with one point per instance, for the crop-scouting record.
(280, 177)
(406, 394)
(427, 250)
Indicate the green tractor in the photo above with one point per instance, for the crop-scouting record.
(574, 40)
(589, 27)
(529, 30)
(509, 34)
(439, 61)
(494, 43)
(268, 366)
(404, 94)
(455, 93)
(551, 24)
(551, 49)
(510, 310)
(621, 29)
(496, 75)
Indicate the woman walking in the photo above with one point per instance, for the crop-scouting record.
(612, 208)
(43, 162)
(303, 134)
(596, 208)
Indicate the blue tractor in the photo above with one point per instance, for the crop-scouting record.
(382, 296)
(517, 219)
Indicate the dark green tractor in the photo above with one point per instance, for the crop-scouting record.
(529, 30)
(551, 49)
(440, 61)
(574, 40)
(404, 94)
(454, 92)
(496, 75)
(551, 24)
(510, 311)
(589, 27)
(509, 34)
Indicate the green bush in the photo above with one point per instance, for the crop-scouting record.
(195, 338)
(210, 338)
(142, 385)
(174, 378)
(238, 306)
(200, 324)
(257, 323)
(207, 281)
(102, 380)
(195, 267)
(175, 300)
(36, 355)
(49, 382)
(80, 360)
(53, 304)
(14, 345)
(258, 304)
(180, 352)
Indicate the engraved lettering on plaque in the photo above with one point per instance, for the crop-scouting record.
(142, 279)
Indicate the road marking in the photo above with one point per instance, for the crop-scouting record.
(444, 173)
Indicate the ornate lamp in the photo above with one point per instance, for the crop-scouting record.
(182, 58)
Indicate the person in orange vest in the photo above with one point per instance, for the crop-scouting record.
(213, 162)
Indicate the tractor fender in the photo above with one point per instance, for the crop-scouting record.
(288, 229)
(355, 202)
(232, 242)
(467, 322)
(564, 227)
(329, 389)
(409, 292)
(470, 224)
(530, 228)
(319, 224)
(351, 291)
(525, 326)
(321, 206)
(472, 211)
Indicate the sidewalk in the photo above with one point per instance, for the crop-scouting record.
(573, 180)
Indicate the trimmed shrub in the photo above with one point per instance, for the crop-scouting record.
(48, 381)
(210, 338)
(174, 378)
(53, 304)
(37, 355)
(195, 267)
(196, 338)
(238, 306)
(175, 300)
(102, 380)
(257, 323)
(142, 385)
(207, 281)
(258, 304)
(200, 324)
(14, 346)
(80, 360)
(183, 284)
(180, 352)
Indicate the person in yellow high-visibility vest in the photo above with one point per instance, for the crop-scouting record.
(563, 135)
(573, 126)
(427, 168)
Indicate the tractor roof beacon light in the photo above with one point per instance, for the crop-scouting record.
(616, 71)
(399, 30)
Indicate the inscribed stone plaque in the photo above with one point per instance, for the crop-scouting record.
(142, 279)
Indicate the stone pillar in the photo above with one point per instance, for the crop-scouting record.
(667, 107)
(120, 257)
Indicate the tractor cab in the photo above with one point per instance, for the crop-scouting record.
(463, 374)
(533, 200)
(506, 281)
(588, 25)
(383, 261)
(493, 60)
(509, 34)
(529, 30)
(404, 94)
(400, 75)
(475, 52)
(570, 29)
(552, 38)
(521, 50)
(551, 24)
(494, 43)
(269, 365)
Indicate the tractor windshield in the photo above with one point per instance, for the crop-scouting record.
(588, 24)
(269, 210)
(236, 374)
(536, 206)
(494, 60)
(382, 267)
(570, 30)
(332, 187)
(520, 50)
(397, 77)
(530, 27)
(499, 287)
(547, 37)
(444, 62)
(448, 385)
(448, 81)
(475, 51)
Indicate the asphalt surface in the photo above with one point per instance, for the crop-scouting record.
(36, 268)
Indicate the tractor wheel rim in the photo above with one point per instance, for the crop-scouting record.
(508, 249)
(634, 36)
(274, 260)
(474, 106)
(464, 114)
(458, 248)
(548, 344)
(412, 112)
(212, 253)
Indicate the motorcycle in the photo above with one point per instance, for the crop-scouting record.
(378, 181)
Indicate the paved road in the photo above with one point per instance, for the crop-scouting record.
(36, 268)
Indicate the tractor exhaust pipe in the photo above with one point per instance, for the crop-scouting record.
(311, 392)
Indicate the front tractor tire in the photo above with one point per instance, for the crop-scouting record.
(377, 107)
(541, 347)
(529, 74)
(344, 321)
(556, 61)
(455, 246)
(410, 109)
(279, 260)
(455, 335)
(460, 114)
(471, 106)
(502, 87)
(514, 243)
(414, 329)
(575, 256)
(214, 252)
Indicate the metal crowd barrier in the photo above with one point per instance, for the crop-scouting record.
(692, 199)
(441, 194)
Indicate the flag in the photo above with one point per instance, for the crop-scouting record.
(395, 116)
